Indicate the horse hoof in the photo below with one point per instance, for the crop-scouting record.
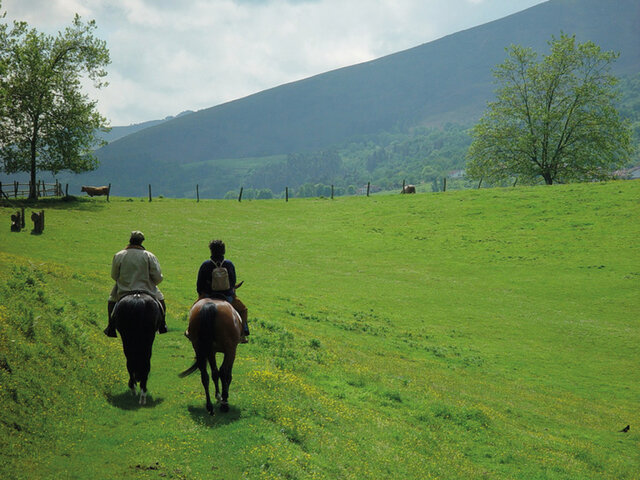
(210, 409)
(133, 391)
(143, 398)
(224, 407)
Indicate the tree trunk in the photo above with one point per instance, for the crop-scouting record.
(33, 189)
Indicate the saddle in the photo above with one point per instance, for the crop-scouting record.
(143, 292)
(217, 296)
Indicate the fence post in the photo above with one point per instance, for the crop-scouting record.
(444, 184)
(240, 196)
(286, 194)
(149, 192)
(66, 190)
(108, 192)
(368, 188)
(197, 192)
(331, 192)
(403, 185)
(15, 188)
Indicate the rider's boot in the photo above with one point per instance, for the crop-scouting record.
(110, 331)
(163, 326)
(244, 314)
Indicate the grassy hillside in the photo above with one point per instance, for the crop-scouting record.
(471, 334)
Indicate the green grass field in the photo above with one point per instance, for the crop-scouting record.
(470, 334)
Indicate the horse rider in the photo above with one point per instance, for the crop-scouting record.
(209, 286)
(135, 270)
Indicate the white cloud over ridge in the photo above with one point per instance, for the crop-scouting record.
(174, 55)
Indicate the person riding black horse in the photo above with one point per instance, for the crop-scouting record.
(135, 270)
(213, 284)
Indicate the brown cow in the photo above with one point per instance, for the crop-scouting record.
(96, 191)
(409, 189)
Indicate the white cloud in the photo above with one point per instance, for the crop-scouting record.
(173, 55)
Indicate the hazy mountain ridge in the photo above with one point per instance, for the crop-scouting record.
(117, 132)
(445, 81)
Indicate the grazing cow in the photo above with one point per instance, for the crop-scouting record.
(96, 191)
(409, 189)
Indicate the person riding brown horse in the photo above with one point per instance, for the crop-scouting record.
(135, 270)
(217, 279)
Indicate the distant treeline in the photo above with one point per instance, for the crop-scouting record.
(424, 155)
(418, 155)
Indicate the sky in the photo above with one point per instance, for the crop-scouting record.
(168, 56)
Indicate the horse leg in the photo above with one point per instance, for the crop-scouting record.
(144, 367)
(130, 367)
(204, 376)
(225, 376)
(215, 374)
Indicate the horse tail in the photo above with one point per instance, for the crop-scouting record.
(204, 342)
(203, 345)
(189, 370)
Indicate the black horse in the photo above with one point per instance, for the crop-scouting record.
(137, 318)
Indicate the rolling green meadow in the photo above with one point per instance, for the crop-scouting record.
(488, 333)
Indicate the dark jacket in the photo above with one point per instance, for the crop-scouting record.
(204, 279)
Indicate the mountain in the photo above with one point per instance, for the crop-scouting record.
(447, 80)
(118, 132)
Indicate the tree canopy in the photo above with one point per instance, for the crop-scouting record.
(46, 122)
(553, 119)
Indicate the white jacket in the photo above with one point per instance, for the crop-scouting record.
(135, 269)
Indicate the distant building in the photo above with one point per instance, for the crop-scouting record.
(632, 173)
(456, 174)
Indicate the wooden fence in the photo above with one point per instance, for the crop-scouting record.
(17, 189)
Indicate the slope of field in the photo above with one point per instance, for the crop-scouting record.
(470, 334)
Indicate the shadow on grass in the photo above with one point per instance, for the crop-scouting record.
(200, 415)
(127, 401)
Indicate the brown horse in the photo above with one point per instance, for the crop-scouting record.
(214, 327)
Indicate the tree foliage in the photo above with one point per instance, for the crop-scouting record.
(553, 119)
(46, 122)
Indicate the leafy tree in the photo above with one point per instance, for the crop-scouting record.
(46, 122)
(553, 119)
